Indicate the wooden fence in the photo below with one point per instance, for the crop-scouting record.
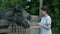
(21, 30)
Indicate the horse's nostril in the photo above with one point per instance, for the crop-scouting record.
(29, 17)
(26, 25)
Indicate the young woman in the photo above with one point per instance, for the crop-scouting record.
(45, 22)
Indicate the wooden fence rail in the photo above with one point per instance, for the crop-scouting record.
(18, 30)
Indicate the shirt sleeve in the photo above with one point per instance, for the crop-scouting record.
(48, 20)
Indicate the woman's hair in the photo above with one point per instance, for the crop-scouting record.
(45, 9)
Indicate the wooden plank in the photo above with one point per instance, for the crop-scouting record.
(10, 30)
(5, 30)
(16, 29)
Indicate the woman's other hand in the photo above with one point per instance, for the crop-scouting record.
(39, 24)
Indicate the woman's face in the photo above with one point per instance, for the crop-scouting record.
(43, 13)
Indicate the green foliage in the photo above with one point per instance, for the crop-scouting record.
(5, 4)
(34, 5)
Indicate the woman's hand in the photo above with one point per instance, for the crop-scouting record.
(39, 24)
(45, 26)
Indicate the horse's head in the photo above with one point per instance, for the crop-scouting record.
(21, 18)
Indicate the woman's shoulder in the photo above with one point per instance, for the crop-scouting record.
(48, 17)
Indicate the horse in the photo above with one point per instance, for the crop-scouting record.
(15, 15)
